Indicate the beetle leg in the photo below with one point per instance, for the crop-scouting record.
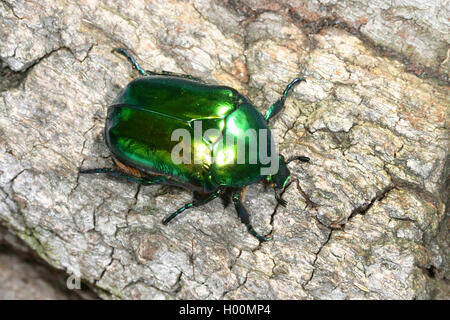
(278, 198)
(277, 106)
(125, 53)
(97, 170)
(180, 75)
(244, 216)
(195, 203)
(147, 73)
(114, 173)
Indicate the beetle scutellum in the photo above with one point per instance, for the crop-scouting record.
(140, 123)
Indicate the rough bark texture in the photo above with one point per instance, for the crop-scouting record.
(24, 275)
(367, 218)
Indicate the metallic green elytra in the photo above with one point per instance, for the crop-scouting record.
(140, 127)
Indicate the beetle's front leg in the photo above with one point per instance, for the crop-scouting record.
(277, 106)
(278, 198)
(238, 197)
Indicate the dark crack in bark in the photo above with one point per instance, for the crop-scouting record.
(316, 26)
(366, 207)
(14, 79)
(111, 256)
(316, 256)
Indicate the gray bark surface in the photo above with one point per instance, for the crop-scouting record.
(367, 218)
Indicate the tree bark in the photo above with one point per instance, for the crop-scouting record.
(367, 218)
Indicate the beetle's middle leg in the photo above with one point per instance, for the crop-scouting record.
(195, 203)
(118, 174)
(277, 106)
(143, 72)
(238, 197)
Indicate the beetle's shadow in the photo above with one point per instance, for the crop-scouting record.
(225, 197)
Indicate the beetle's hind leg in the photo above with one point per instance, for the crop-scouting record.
(143, 72)
(118, 174)
(125, 53)
(180, 75)
(244, 216)
(195, 203)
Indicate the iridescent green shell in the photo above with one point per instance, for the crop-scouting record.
(141, 121)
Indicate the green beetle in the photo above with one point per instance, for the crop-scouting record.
(141, 123)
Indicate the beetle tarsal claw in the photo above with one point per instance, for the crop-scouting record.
(279, 200)
(257, 235)
(282, 202)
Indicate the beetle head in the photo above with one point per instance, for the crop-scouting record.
(280, 180)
